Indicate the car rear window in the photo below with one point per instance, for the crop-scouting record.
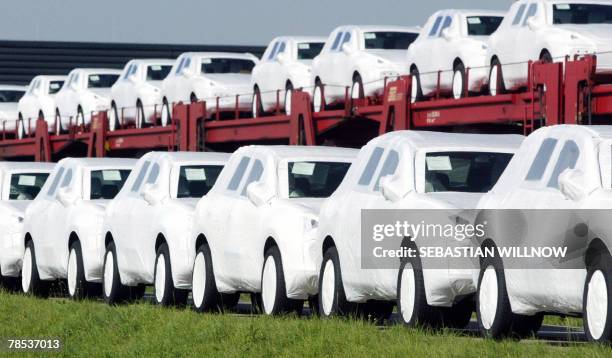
(483, 25)
(388, 40)
(195, 181)
(105, 184)
(26, 186)
(55, 86)
(158, 72)
(226, 65)
(315, 179)
(309, 50)
(582, 14)
(8, 96)
(101, 80)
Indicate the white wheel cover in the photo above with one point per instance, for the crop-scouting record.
(597, 304)
(493, 80)
(165, 118)
(72, 272)
(112, 119)
(160, 278)
(407, 293)
(80, 118)
(199, 280)
(457, 85)
(317, 100)
(109, 268)
(288, 102)
(26, 271)
(487, 297)
(268, 285)
(20, 129)
(254, 104)
(355, 90)
(328, 287)
(58, 125)
(414, 90)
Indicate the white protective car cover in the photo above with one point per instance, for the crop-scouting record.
(237, 230)
(11, 215)
(360, 285)
(135, 225)
(560, 290)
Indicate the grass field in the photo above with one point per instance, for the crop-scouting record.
(91, 328)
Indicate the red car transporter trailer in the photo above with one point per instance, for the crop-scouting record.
(556, 93)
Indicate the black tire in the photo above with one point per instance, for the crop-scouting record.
(546, 57)
(113, 290)
(416, 81)
(259, 111)
(193, 98)
(140, 115)
(58, 122)
(602, 267)
(357, 80)
(166, 108)
(113, 117)
(319, 85)
(459, 315)
(421, 314)
(376, 311)
(82, 288)
(282, 304)
(339, 305)
(81, 115)
(461, 68)
(208, 300)
(501, 86)
(36, 286)
(167, 295)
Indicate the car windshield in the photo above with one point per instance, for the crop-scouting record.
(105, 184)
(55, 86)
(309, 50)
(581, 14)
(468, 172)
(158, 72)
(315, 179)
(483, 25)
(195, 181)
(25, 186)
(226, 65)
(8, 96)
(101, 80)
(388, 40)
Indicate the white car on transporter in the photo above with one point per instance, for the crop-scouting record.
(359, 57)
(39, 102)
(136, 96)
(63, 225)
(212, 77)
(548, 31)
(458, 38)
(253, 231)
(284, 66)
(405, 170)
(86, 91)
(147, 228)
(9, 99)
(20, 183)
(562, 175)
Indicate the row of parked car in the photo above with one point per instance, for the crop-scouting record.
(456, 52)
(282, 223)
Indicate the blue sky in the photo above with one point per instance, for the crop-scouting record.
(239, 22)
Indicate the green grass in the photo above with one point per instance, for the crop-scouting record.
(91, 328)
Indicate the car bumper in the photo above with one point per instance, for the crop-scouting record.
(11, 255)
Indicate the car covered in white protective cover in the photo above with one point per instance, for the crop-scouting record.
(20, 183)
(548, 30)
(253, 230)
(9, 98)
(568, 169)
(284, 66)
(212, 77)
(63, 225)
(147, 228)
(458, 38)
(39, 102)
(405, 170)
(359, 57)
(86, 92)
(136, 96)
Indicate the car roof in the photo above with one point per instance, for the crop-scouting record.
(98, 70)
(602, 132)
(472, 12)
(52, 78)
(13, 87)
(298, 151)
(6, 166)
(431, 140)
(300, 38)
(221, 54)
(154, 61)
(99, 162)
(180, 157)
(415, 29)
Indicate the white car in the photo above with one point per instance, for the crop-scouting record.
(559, 172)
(253, 231)
(20, 183)
(458, 39)
(9, 98)
(285, 65)
(63, 225)
(359, 57)
(39, 102)
(147, 228)
(136, 96)
(212, 77)
(86, 91)
(548, 31)
(405, 170)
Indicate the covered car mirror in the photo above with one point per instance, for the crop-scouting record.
(533, 24)
(152, 194)
(259, 193)
(66, 197)
(347, 48)
(447, 34)
(281, 57)
(393, 188)
(573, 184)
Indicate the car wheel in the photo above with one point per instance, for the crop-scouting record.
(80, 119)
(204, 288)
(411, 298)
(332, 298)
(78, 287)
(357, 91)
(416, 90)
(140, 116)
(318, 101)
(114, 291)
(165, 293)
(288, 98)
(256, 105)
(58, 122)
(273, 289)
(597, 303)
(30, 280)
(20, 127)
(459, 81)
(166, 117)
(113, 118)
(496, 79)
(546, 57)
(459, 315)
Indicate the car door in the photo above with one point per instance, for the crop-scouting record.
(519, 43)
(326, 62)
(266, 75)
(120, 90)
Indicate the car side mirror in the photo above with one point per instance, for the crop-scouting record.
(533, 23)
(66, 197)
(259, 193)
(281, 58)
(447, 34)
(573, 184)
(152, 194)
(347, 48)
(393, 188)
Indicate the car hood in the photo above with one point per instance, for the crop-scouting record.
(599, 33)
(394, 56)
(458, 200)
(230, 79)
